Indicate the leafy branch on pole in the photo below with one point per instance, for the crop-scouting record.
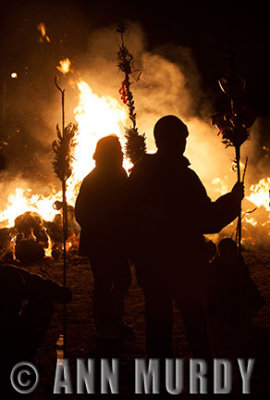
(135, 144)
(62, 147)
(234, 125)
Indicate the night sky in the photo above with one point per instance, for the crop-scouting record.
(209, 31)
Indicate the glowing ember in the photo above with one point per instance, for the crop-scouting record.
(42, 29)
(48, 250)
(64, 66)
(251, 221)
(260, 193)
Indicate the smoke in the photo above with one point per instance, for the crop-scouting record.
(170, 84)
(169, 87)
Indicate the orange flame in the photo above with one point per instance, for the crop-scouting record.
(260, 193)
(96, 117)
(42, 29)
(64, 66)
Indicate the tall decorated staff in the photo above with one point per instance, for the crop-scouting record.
(135, 144)
(62, 148)
(234, 125)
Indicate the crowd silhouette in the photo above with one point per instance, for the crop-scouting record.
(154, 219)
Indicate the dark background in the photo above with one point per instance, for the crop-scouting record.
(210, 31)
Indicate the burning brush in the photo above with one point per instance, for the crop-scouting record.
(135, 145)
(31, 239)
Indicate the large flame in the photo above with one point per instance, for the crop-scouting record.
(96, 117)
(23, 200)
(260, 193)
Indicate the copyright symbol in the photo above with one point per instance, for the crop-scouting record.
(24, 377)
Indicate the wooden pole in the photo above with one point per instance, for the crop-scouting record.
(64, 214)
(239, 222)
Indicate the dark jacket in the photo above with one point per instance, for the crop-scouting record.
(17, 285)
(100, 210)
(170, 213)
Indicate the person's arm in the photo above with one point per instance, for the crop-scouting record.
(90, 212)
(37, 288)
(225, 209)
(216, 215)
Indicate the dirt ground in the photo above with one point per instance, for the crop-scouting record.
(80, 334)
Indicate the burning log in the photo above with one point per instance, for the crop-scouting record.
(55, 231)
(31, 239)
(28, 250)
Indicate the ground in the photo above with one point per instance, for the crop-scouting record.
(80, 334)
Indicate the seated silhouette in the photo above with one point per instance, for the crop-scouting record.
(170, 212)
(26, 307)
(233, 300)
(100, 211)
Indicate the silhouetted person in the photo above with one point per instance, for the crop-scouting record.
(233, 299)
(171, 211)
(26, 307)
(100, 211)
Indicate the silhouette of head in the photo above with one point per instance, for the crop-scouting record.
(108, 152)
(170, 135)
(227, 250)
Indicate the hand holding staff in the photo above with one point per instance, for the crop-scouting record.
(234, 126)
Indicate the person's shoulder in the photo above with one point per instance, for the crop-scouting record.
(147, 159)
(89, 178)
(11, 273)
(188, 168)
(146, 162)
(192, 175)
(8, 269)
